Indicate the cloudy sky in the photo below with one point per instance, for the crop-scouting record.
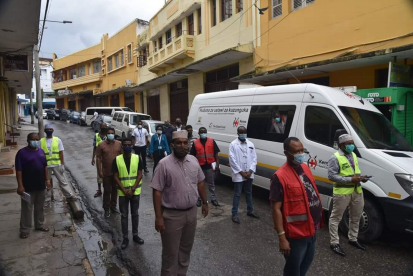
(91, 19)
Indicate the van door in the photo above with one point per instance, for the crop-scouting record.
(125, 126)
(317, 128)
(118, 124)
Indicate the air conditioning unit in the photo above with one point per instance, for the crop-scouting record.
(74, 76)
(128, 82)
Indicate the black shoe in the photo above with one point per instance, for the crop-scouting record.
(107, 213)
(236, 219)
(125, 243)
(337, 249)
(215, 202)
(146, 170)
(356, 244)
(199, 202)
(137, 239)
(253, 215)
(114, 210)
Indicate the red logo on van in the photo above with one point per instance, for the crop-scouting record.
(350, 95)
(312, 162)
(236, 122)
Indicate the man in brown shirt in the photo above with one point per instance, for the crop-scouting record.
(106, 152)
(177, 182)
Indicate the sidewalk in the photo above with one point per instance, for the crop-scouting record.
(58, 252)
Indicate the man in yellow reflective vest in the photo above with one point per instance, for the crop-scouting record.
(99, 138)
(344, 171)
(53, 148)
(127, 172)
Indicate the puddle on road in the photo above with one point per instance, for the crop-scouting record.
(113, 270)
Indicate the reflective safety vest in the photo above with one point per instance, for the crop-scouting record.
(207, 152)
(297, 220)
(54, 158)
(128, 179)
(347, 170)
(98, 139)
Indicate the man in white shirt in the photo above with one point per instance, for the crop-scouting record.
(243, 162)
(178, 124)
(140, 140)
(95, 114)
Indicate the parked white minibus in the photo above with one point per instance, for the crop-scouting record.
(107, 110)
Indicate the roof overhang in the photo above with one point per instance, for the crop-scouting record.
(337, 63)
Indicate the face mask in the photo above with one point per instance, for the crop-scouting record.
(242, 136)
(278, 120)
(139, 126)
(127, 150)
(111, 137)
(34, 144)
(299, 158)
(49, 133)
(167, 124)
(181, 151)
(203, 135)
(178, 123)
(159, 132)
(350, 148)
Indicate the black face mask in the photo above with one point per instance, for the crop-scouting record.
(180, 151)
(103, 130)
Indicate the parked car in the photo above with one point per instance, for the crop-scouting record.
(44, 114)
(74, 117)
(100, 119)
(102, 110)
(125, 122)
(53, 114)
(151, 126)
(64, 114)
(82, 119)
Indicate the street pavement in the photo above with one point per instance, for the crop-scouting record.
(222, 247)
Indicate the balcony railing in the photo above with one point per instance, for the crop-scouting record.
(78, 81)
(180, 48)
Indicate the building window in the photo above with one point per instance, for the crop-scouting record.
(160, 43)
(129, 53)
(72, 73)
(109, 64)
(240, 5)
(276, 8)
(179, 29)
(298, 4)
(142, 59)
(90, 69)
(214, 12)
(122, 58)
(191, 24)
(155, 46)
(168, 36)
(82, 71)
(96, 67)
(226, 9)
(199, 22)
(116, 60)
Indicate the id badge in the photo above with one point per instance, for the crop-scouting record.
(159, 147)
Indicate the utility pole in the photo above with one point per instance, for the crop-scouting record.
(39, 100)
(31, 107)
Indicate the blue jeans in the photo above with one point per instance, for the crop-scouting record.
(247, 184)
(301, 256)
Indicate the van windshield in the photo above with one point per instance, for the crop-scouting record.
(134, 118)
(375, 130)
(127, 109)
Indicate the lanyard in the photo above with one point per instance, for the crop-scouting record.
(140, 133)
(160, 139)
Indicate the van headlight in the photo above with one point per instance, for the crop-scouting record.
(406, 181)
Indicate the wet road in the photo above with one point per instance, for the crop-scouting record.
(221, 247)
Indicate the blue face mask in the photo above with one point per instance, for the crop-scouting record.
(203, 135)
(277, 120)
(350, 148)
(159, 131)
(111, 136)
(127, 150)
(299, 158)
(34, 144)
(49, 133)
(242, 136)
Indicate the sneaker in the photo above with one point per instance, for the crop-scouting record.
(215, 203)
(125, 243)
(98, 193)
(236, 219)
(107, 213)
(137, 239)
(146, 170)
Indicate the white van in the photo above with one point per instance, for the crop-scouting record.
(108, 110)
(125, 122)
(317, 115)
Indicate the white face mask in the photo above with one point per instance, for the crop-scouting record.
(139, 126)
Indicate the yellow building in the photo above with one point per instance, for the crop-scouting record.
(334, 43)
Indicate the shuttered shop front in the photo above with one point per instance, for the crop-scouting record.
(179, 101)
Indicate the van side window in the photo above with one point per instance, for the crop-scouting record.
(126, 118)
(270, 122)
(120, 117)
(115, 116)
(90, 111)
(321, 124)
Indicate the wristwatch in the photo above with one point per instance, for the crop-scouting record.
(205, 203)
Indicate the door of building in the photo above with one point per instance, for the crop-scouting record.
(178, 102)
(114, 100)
(130, 100)
(154, 108)
(72, 105)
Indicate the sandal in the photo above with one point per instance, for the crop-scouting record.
(98, 193)
(44, 229)
(24, 235)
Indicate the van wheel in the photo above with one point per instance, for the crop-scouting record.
(371, 222)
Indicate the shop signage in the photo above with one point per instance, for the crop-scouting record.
(64, 92)
(399, 75)
(16, 63)
(378, 99)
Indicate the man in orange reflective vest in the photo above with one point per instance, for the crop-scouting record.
(296, 209)
(206, 151)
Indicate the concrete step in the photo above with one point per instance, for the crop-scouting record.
(5, 149)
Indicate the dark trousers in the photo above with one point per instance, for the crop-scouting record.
(301, 256)
(124, 202)
(141, 151)
(247, 184)
(110, 195)
(156, 158)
